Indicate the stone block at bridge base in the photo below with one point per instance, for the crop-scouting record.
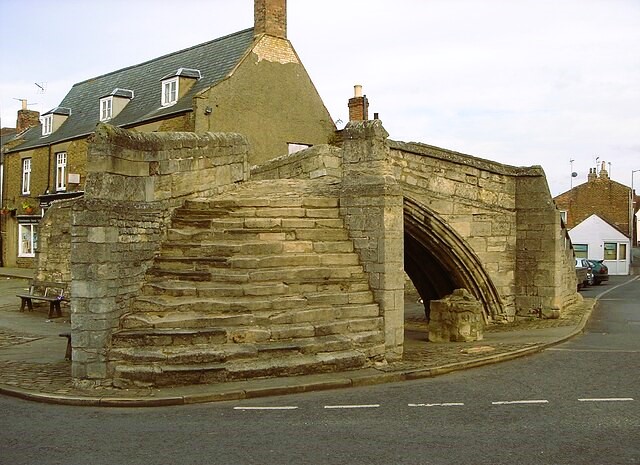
(456, 318)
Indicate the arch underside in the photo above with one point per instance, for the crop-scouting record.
(438, 260)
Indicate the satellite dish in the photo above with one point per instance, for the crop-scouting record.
(574, 175)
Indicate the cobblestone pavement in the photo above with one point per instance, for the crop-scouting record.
(54, 378)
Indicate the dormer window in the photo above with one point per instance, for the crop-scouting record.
(106, 108)
(47, 125)
(112, 104)
(53, 119)
(176, 85)
(169, 92)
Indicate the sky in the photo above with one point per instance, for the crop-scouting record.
(554, 83)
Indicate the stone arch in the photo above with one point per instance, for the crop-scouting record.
(438, 260)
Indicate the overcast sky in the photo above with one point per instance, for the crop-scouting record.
(523, 82)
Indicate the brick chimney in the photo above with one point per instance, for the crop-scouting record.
(270, 18)
(604, 174)
(26, 118)
(358, 105)
(592, 175)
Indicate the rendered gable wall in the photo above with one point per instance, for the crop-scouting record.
(276, 98)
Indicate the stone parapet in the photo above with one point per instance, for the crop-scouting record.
(134, 183)
(315, 162)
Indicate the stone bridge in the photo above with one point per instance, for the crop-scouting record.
(188, 267)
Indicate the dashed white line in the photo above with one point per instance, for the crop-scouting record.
(608, 399)
(443, 404)
(520, 402)
(284, 407)
(351, 406)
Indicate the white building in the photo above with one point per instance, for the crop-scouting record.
(596, 239)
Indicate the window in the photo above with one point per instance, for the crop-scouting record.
(47, 125)
(61, 171)
(293, 148)
(28, 240)
(581, 250)
(26, 176)
(169, 92)
(106, 108)
(622, 252)
(563, 216)
(610, 251)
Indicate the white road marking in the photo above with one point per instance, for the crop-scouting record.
(608, 399)
(443, 404)
(518, 402)
(604, 351)
(285, 407)
(352, 406)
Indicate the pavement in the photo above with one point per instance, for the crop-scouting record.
(32, 364)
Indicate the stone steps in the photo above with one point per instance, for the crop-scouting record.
(260, 281)
(165, 374)
(288, 314)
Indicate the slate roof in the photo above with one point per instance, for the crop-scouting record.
(214, 59)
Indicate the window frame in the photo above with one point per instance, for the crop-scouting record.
(608, 249)
(579, 249)
(47, 124)
(26, 176)
(169, 95)
(31, 239)
(106, 108)
(61, 171)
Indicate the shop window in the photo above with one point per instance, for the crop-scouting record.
(581, 250)
(28, 240)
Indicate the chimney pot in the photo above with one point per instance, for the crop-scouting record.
(357, 90)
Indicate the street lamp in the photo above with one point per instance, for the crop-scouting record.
(633, 211)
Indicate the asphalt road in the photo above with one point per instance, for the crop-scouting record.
(577, 403)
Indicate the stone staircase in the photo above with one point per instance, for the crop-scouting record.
(261, 281)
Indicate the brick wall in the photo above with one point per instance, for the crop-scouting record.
(601, 196)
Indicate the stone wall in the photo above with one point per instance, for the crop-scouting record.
(54, 243)
(545, 278)
(311, 163)
(472, 196)
(134, 181)
(504, 214)
(372, 207)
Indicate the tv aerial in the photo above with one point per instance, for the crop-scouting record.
(42, 87)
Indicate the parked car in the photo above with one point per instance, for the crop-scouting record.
(599, 272)
(583, 272)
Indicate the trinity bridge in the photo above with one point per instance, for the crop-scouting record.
(188, 266)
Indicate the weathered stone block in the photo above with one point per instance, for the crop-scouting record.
(456, 318)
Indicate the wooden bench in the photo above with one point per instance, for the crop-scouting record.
(46, 292)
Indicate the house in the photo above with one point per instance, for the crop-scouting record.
(596, 239)
(599, 217)
(251, 82)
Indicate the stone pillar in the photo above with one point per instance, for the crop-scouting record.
(545, 270)
(371, 204)
(456, 318)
